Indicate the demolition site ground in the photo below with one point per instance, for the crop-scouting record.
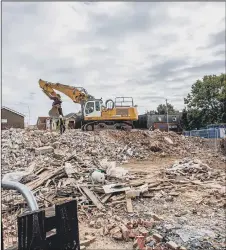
(135, 190)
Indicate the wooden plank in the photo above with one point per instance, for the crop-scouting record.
(105, 198)
(67, 226)
(93, 198)
(129, 205)
(31, 231)
(114, 188)
(43, 177)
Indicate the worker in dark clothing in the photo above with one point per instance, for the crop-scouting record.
(62, 125)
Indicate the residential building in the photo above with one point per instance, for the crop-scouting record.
(70, 120)
(11, 118)
(162, 122)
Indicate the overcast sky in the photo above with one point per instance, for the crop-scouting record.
(150, 51)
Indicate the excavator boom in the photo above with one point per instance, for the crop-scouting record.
(77, 94)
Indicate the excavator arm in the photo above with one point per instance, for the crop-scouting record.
(77, 94)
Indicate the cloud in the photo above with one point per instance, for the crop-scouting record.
(150, 51)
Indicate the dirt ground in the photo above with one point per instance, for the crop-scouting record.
(189, 211)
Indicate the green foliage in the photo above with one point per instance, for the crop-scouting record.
(206, 104)
(162, 109)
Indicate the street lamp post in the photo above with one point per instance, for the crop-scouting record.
(167, 116)
(28, 111)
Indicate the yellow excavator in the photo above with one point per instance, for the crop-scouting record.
(95, 115)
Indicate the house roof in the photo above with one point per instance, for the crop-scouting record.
(43, 118)
(13, 111)
(70, 115)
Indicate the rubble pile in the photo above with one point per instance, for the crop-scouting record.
(86, 166)
(142, 232)
(193, 169)
(141, 141)
(21, 147)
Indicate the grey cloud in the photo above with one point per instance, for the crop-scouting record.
(165, 69)
(214, 66)
(218, 38)
(140, 17)
(151, 97)
(220, 53)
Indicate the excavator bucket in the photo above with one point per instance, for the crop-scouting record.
(55, 112)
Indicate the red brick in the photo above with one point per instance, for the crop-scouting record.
(143, 231)
(148, 224)
(139, 242)
(133, 233)
(140, 222)
(125, 232)
(129, 225)
(117, 236)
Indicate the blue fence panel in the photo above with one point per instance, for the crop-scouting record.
(210, 133)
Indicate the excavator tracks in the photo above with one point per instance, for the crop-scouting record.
(94, 126)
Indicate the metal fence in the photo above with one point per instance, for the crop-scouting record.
(16, 199)
(214, 135)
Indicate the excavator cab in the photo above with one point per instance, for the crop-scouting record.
(93, 108)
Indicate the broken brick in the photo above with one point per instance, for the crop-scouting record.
(129, 225)
(92, 223)
(105, 230)
(115, 230)
(85, 242)
(148, 224)
(125, 232)
(133, 233)
(139, 243)
(143, 231)
(157, 217)
(157, 237)
(117, 236)
(172, 245)
(148, 239)
(90, 238)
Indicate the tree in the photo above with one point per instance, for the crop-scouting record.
(152, 112)
(206, 104)
(162, 110)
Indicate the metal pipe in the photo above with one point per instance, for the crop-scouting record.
(24, 190)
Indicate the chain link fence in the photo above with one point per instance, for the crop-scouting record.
(16, 199)
(214, 136)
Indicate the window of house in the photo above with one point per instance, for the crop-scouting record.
(97, 106)
(89, 107)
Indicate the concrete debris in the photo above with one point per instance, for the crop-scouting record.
(86, 166)
(44, 150)
(172, 245)
(193, 169)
